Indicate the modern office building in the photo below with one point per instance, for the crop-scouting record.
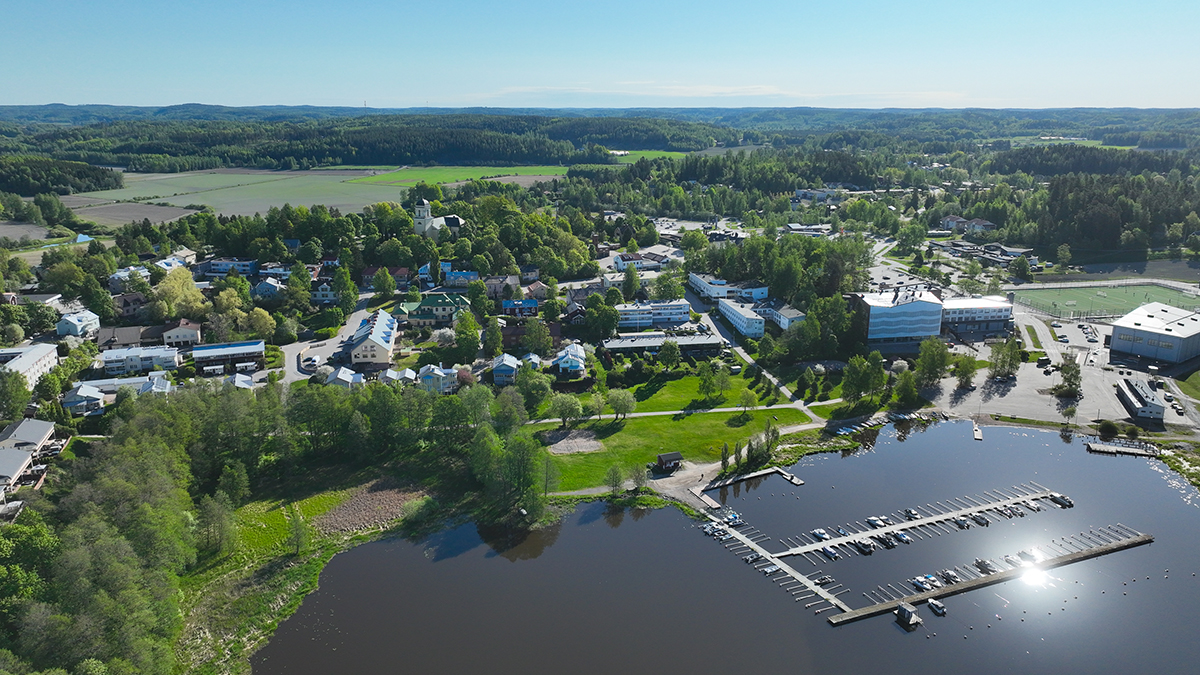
(902, 315)
(973, 314)
(711, 288)
(641, 315)
(743, 317)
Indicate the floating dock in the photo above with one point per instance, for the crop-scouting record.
(978, 433)
(976, 505)
(725, 482)
(1124, 538)
(1109, 449)
(708, 501)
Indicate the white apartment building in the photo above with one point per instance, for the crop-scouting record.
(33, 361)
(133, 360)
(373, 341)
(988, 313)
(640, 315)
(743, 317)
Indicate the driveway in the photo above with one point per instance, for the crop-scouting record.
(293, 353)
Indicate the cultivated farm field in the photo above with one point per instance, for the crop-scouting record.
(454, 174)
(17, 230)
(127, 212)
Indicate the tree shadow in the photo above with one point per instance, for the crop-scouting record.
(605, 428)
(738, 421)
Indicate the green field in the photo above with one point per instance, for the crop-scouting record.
(636, 441)
(453, 174)
(1102, 300)
(250, 193)
(635, 155)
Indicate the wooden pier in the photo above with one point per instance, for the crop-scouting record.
(935, 516)
(1109, 449)
(725, 482)
(1109, 543)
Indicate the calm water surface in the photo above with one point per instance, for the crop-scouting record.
(637, 591)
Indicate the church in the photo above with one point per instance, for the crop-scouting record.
(427, 226)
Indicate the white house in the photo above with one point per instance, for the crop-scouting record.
(118, 281)
(33, 361)
(640, 261)
(322, 293)
(268, 288)
(504, 369)
(240, 381)
(83, 399)
(181, 333)
(79, 324)
(170, 264)
(711, 288)
(639, 315)
(783, 314)
(344, 377)
(571, 359)
(374, 339)
(743, 317)
(406, 376)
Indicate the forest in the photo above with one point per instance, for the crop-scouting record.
(28, 176)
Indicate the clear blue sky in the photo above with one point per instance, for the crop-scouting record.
(604, 53)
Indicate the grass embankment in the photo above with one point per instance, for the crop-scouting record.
(637, 440)
(866, 406)
(1033, 337)
(675, 392)
(811, 441)
(232, 604)
(1190, 385)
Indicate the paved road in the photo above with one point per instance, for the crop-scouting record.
(323, 348)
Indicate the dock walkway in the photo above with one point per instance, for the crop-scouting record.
(1127, 538)
(725, 482)
(937, 515)
(1110, 449)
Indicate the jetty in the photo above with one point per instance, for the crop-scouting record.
(1071, 549)
(933, 517)
(725, 482)
(1111, 449)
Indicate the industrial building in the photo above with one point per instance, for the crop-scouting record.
(1139, 399)
(1159, 332)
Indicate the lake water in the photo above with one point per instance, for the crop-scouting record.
(640, 591)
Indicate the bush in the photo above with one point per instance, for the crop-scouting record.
(1109, 428)
(1131, 432)
(327, 333)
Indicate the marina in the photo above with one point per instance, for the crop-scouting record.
(1137, 450)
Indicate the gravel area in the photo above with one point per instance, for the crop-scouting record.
(571, 442)
(373, 505)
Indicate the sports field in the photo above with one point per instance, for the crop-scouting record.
(453, 174)
(1103, 300)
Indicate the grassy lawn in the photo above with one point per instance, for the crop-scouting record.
(1190, 385)
(451, 174)
(636, 441)
(274, 356)
(1033, 338)
(635, 155)
(1053, 333)
(682, 393)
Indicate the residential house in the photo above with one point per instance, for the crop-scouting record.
(112, 337)
(438, 380)
(127, 304)
(118, 281)
(32, 361)
(498, 282)
(241, 381)
(439, 310)
(406, 376)
(571, 360)
(186, 255)
(641, 315)
(778, 311)
(53, 300)
(220, 267)
(459, 278)
(504, 369)
(519, 307)
(274, 270)
(8, 298)
(646, 280)
(399, 275)
(240, 356)
(153, 382)
(132, 360)
(82, 399)
(954, 223)
(322, 292)
(577, 297)
(346, 378)
(19, 442)
(181, 333)
(978, 225)
(79, 324)
(170, 264)
(268, 288)
(530, 273)
(532, 360)
(537, 291)
(374, 340)
(641, 261)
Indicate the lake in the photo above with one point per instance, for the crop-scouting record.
(639, 591)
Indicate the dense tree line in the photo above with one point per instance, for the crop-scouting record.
(29, 176)
(1056, 160)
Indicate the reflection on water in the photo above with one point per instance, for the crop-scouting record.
(639, 590)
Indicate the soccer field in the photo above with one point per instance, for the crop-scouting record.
(1103, 300)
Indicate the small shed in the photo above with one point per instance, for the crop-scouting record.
(669, 461)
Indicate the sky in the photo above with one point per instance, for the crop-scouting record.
(606, 53)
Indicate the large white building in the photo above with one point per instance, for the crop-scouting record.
(640, 315)
(967, 314)
(133, 360)
(743, 317)
(902, 315)
(33, 361)
(783, 314)
(711, 288)
(1158, 331)
(373, 340)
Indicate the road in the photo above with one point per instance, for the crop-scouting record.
(293, 353)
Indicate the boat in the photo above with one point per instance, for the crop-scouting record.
(1031, 505)
(950, 576)
(719, 532)
(961, 522)
(1062, 500)
(820, 534)
(1027, 555)
(1012, 561)
(885, 540)
(770, 569)
(920, 584)
(1003, 510)
(980, 519)
(1016, 511)
(875, 521)
(823, 580)
(886, 520)
(752, 557)
(841, 531)
(830, 553)
(906, 615)
(732, 517)
(864, 546)
(903, 538)
(911, 514)
(737, 522)
(725, 537)
(932, 581)
(986, 566)
(937, 607)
